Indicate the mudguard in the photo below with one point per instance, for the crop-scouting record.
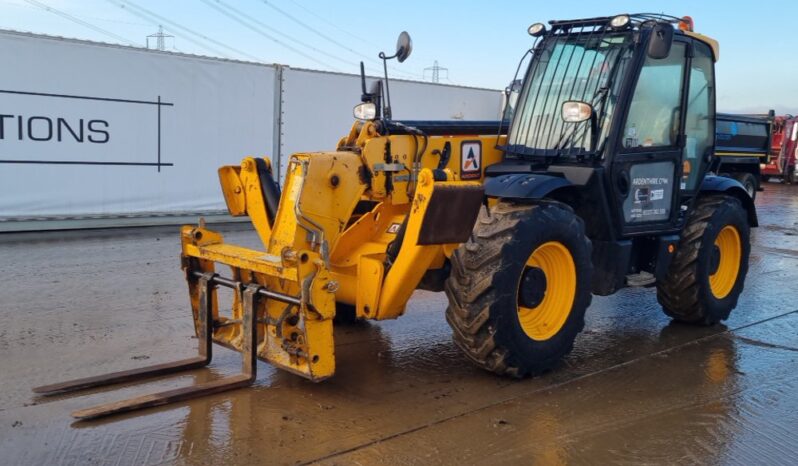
(725, 185)
(523, 185)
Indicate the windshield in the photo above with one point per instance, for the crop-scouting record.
(567, 67)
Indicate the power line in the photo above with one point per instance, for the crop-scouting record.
(326, 37)
(148, 15)
(371, 43)
(325, 20)
(81, 22)
(309, 28)
(243, 19)
(85, 17)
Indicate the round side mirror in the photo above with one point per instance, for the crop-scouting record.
(404, 45)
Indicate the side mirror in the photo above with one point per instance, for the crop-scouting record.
(514, 87)
(404, 45)
(574, 111)
(659, 45)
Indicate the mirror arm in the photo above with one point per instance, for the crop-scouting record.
(593, 131)
(378, 100)
(387, 110)
(403, 48)
(364, 96)
(384, 57)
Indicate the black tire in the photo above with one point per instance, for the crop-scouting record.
(749, 183)
(483, 287)
(764, 179)
(685, 294)
(791, 178)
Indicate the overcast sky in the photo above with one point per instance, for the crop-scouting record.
(479, 43)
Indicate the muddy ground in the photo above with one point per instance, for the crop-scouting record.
(637, 389)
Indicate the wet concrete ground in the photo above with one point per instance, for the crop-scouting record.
(637, 389)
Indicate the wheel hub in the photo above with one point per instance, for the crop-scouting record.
(533, 287)
(546, 290)
(714, 260)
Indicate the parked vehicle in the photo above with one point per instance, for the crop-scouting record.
(742, 145)
(782, 161)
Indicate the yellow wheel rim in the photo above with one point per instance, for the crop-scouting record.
(547, 318)
(730, 248)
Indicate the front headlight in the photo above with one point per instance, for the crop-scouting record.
(365, 111)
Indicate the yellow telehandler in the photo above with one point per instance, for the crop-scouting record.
(596, 179)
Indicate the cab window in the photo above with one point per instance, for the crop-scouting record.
(700, 118)
(654, 113)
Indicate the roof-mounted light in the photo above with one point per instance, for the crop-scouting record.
(537, 30)
(686, 24)
(620, 22)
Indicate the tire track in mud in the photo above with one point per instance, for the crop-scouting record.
(777, 251)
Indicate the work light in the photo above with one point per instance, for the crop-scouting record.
(537, 29)
(619, 22)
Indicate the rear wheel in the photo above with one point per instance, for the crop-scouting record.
(707, 274)
(791, 178)
(519, 288)
(749, 183)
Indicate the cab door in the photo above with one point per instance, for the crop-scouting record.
(647, 170)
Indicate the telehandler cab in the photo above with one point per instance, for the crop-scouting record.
(598, 181)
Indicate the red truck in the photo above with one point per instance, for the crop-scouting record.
(784, 144)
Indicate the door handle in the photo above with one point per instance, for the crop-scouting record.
(622, 183)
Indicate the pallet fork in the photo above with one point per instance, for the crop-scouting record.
(206, 281)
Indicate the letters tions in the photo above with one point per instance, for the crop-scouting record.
(44, 128)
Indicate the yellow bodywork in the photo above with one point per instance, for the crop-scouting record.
(329, 240)
(712, 43)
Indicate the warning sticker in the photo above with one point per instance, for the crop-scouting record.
(394, 228)
(471, 160)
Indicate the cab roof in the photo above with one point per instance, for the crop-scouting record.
(682, 25)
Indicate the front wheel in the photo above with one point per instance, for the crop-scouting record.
(707, 274)
(519, 288)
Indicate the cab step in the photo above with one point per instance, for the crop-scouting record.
(640, 279)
